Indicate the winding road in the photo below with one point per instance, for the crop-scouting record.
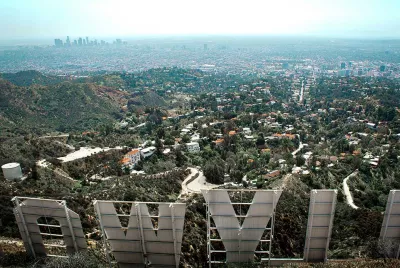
(347, 192)
(190, 185)
(299, 148)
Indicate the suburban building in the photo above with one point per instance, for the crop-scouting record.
(232, 133)
(193, 147)
(289, 136)
(147, 152)
(131, 158)
(219, 142)
(246, 131)
(272, 174)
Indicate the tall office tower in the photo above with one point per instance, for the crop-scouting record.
(84, 42)
(118, 41)
(205, 47)
(350, 64)
(68, 42)
(103, 42)
(80, 41)
(75, 43)
(87, 40)
(58, 42)
(343, 65)
(382, 68)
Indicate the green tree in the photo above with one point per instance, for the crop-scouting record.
(214, 171)
(159, 146)
(180, 158)
(264, 158)
(300, 160)
(186, 138)
(169, 141)
(260, 139)
(236, 175)
(161, 132)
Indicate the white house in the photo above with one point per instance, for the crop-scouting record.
(246, 131)
(131, 158)
(249, 137)
(184, 131)
(195, 137)
(193, 147)
(149, 151)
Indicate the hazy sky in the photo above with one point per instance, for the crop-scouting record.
(334, 18)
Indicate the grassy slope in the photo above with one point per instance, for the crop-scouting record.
(61, 106)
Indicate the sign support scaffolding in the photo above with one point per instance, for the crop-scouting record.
(266, 237)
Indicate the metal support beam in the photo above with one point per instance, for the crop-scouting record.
(389, 213)
(272, 227)
(309, 223)
(96, 205)
(208, 233)
(21, 215)
(71, 229)
(174, 235)
(330, 226)
(139, 218)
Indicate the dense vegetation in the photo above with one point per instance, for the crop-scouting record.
(133, 109)
(28, 78)
(59, 107)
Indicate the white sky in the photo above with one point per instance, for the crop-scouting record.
(58, 18)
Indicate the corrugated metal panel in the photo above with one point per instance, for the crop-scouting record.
(241, 241)
(130, 245)
(390, 231)
(29, 210)
(319, 225)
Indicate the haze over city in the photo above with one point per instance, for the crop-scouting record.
(26, 19)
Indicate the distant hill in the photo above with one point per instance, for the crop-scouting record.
(146, 99)
(62, 107)
(27, 78)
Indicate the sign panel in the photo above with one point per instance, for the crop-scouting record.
(56, 216)
(139, 238)
(319, 225)
(240, 233)
(146, 239)
(390, 231)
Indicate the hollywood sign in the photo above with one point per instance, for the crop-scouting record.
(240, 228)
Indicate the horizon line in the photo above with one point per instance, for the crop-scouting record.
(317, 36)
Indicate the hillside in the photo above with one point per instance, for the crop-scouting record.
(57, 107)
(167, 79)
(27, 78)
(146, 99)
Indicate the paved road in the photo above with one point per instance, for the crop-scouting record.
(347, 192)
(299, 148)
(197, 184)
(301, 92)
